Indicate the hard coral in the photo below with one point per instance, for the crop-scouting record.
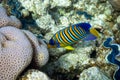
(40, 54)
(34, 74)
(15, 52)
(8, 21)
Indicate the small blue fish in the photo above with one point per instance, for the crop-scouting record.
(70, 35)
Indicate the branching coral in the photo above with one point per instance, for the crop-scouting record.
(8, 21)
(112, 56)
(15, 52)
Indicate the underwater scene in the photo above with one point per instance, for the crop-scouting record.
(59, 39)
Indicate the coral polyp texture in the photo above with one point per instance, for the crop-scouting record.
(18, 48)
(40, 54)
(112, 56)
(15, 52)
(6, 20)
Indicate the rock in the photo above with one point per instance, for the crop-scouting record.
(74, 59)
(93, 73)
(33, 74)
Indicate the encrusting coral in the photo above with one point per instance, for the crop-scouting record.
(18, 48)
(8, 21)
(15, 52)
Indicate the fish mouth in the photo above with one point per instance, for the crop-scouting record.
(94, 32)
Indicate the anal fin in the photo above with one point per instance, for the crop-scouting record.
(69, 48)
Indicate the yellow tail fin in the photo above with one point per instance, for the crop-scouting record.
(69, 48)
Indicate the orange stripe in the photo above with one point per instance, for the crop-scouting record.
(57, 38)
(77, 30)
(82, 30)
(73, 32)
(63, 38)
(69, 37)
(60, 42)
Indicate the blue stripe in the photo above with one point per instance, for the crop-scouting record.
(59, 37)
(71, 34)
(82, 33)
(80, 37)
(66, 37)
(62, 41)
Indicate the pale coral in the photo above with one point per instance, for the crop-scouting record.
(15, 52)
(40, 54)
(5, 20)
(34, 74)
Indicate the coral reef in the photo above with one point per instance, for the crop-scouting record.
(93, 73)
(33, 74)
(8, 21)
(58, 14)
(15, 52)
(112, 55)
(115, 4)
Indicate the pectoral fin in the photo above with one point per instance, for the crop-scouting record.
(69, 48)
(90, 37)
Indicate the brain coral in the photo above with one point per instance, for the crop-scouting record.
(8, 21)
(15, 52)
(40, 54)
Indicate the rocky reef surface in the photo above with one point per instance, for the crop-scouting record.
(45, 17)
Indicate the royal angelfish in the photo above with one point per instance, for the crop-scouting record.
(71, 35)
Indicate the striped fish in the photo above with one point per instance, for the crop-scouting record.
(70, 35)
